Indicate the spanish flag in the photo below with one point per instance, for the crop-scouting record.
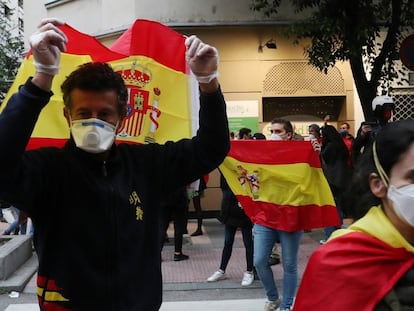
(280, 184)
(151, 59)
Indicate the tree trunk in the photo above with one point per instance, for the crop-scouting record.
(367, 90)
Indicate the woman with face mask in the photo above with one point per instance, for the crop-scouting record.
(369, 266)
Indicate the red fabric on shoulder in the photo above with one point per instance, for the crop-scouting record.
(351, 272)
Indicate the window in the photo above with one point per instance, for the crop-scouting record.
(295, 107)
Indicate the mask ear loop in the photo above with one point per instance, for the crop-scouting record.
(381, 171)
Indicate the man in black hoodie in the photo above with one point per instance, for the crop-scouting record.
(109, 257)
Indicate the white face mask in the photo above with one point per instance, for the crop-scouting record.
(402, 198)
(403, 202)
(274, 136)
(93, 135)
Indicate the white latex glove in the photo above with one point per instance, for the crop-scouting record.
(46, 45)
(202, 58)
(315, 144)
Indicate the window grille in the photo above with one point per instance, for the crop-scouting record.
(404, 103)
(293, 78)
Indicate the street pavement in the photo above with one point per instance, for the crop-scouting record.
(185, 286)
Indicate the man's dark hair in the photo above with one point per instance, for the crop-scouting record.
(286, 124)
(259, 136)
(96, 77)
(244, 131)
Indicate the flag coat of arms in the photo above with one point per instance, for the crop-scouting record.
(280, 184)
(151, 59)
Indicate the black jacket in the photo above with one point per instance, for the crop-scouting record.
(401, 297)
(97, 222)
(232, 213)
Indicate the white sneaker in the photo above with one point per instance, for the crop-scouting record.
(248, 278)
(272, 305)
(217, 276)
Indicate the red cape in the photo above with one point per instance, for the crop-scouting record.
(338, 279)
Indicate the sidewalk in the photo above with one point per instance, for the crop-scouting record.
(185, 286)
(224, 305)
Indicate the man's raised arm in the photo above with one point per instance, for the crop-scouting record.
(18, 119)
(46, 45)
(203, 61)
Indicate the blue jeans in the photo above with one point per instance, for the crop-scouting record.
(264, 240)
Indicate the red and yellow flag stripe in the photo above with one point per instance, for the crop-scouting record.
(371, 254)
(280, 184)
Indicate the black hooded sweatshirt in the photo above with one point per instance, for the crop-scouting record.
(97, 222)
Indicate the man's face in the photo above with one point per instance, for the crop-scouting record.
(278, 129)
(344, 128)
(313, 132)
(89, 104)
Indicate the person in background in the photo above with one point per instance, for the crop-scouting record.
(347, 138)
(195, 191)
(258, 136)
(382, 109)
(362, 142)
(175, 206)
(265, 238)
(334, 159)
(315, 132)
(370, 265)
(244, 133)
(233, 217)
(95, 203)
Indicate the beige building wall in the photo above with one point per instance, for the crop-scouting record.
(229, 25)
